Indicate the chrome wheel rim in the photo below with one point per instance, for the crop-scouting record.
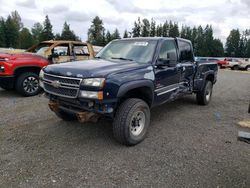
(208, 94)
(137, 123)
(30, 84)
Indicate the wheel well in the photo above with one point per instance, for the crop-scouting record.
(143, 93)
(22, 70)
(210, 77)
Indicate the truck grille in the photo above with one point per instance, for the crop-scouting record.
(61, 86)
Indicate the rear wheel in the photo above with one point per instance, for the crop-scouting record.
(204, 96)
(235, 67)
(247, 67)
(131, 121)
(27, 84)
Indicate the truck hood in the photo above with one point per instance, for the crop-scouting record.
(92, 68)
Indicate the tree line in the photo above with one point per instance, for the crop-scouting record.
(13, 34)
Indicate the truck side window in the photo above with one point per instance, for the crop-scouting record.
(186, 53)
(61, 50)
(168, 51)
(80, 50)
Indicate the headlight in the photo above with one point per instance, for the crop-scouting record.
(91, 94)
(1, 68)
(41, 74)
(4, 59)
(95, 82)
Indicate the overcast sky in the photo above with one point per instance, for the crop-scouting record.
(224, 15)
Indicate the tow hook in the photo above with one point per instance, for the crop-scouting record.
(53, 106)
(87, 117)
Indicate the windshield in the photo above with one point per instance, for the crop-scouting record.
(41, 48)
(131, 50)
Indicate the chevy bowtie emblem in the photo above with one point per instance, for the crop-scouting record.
(56, 83)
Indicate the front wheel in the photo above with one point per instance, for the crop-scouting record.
(131, 121)
(204, 96)
(27, 84)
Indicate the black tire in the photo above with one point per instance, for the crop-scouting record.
(65, 115)
(131, 122)
(204, 96)
(27, 84)
(247, 67)
(235, 67)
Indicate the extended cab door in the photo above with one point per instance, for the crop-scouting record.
(187, 65)
(167, 73)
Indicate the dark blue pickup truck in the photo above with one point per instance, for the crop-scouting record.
(125, 80)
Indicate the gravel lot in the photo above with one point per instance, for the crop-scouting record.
(187, 145)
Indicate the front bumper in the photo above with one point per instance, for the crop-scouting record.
(103, 107)
(7, 82)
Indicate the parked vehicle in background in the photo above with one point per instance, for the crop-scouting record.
(233, 63)
(126, 79)
(20, 70)
(206, 59)
(222, 63)
(63, 51)
(245, 64)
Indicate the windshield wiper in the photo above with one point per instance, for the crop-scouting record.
(122, 58)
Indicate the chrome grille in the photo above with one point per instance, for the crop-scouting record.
(64, 80)
(64, 87)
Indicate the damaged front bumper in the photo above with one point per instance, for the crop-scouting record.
(84, 109)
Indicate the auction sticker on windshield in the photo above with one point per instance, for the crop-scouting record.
(140, 43)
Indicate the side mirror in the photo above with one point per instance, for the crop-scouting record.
(163, 62)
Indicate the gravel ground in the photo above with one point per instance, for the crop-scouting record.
(187, 145)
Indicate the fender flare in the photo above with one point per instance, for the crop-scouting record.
(124, 88)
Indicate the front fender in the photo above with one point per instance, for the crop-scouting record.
(126, 87)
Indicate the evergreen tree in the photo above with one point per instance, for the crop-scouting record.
(248, 49)
(173, 30)
(165, 28)
(57, 36)
(218, 50)
(2, 33)
(116, 34)
(200, 50)
(145, 31)
(152, 28)
(159, 30)
(68, 34)
(108, 37)
(125, 35)
(25, 38)
(47, 33)
(233, 43)
(136, 30)
(96, 31)
(11, 33)
(36, 31)
(208, 41)
(17, 20)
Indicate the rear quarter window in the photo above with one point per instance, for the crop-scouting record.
(186, 53)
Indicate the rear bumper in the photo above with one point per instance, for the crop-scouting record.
(7, 82)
